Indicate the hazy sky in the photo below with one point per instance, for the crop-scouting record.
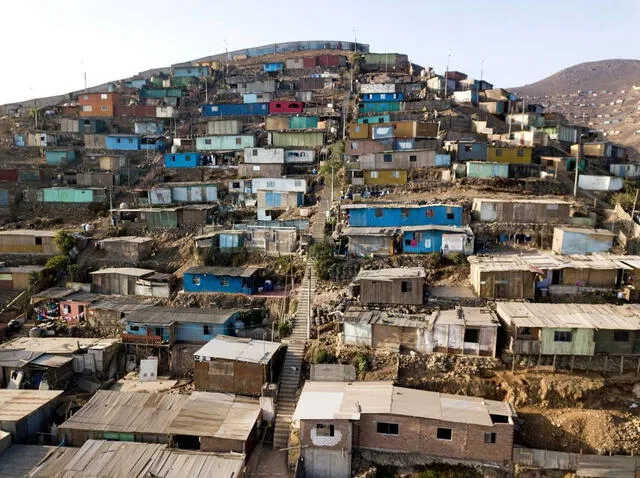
(47, 44)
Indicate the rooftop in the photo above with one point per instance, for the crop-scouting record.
(201, 414)
(98, 458)
(238, 349)
(391, 274)
(52, 293)
(349, 400)
(127, 271)
(169, 315)
(586, 230)
(55, 345)
(465, 316)
(122, 303)
(575, 316)
(133, 239)
(28, 232)
(385, 205)
(519, 200)
(540, 262)
(18, 404)
(224, 271)
(20, 269)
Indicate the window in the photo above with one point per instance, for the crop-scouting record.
(159, 331)
(468, 148)
(387, 428)
(621, 336)
(195, 280)
(66, 309)
(413, 158)
(387, 158)
(297, 184)
(562, 336)
(81, 309)
(374, 174)
(472, 336)
(450, 215)
(224, 282)
(444, 434)
(382, 96)
(104, 96)
(520, 153)
(324, 430)
(526, 331)
(38, 241)
(429, 213)
(254, 152)
(238, 140)
(207, 141)
(271, 184)
(489, 437)
(130, 140)
(134, 328)
(379, 212)
(404, 212)
(395, 174)
(498, 152)
(235, 185)
(406, 286)
(85, 97)
(118, 140)
(206, 330)
(499, 419)
(104, 108)
(87, 108)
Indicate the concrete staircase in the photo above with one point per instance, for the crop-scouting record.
(290, 376)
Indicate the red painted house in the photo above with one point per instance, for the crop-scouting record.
(309, 62)
(291, 107)
(331, 60)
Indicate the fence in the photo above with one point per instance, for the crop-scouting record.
(584, 465)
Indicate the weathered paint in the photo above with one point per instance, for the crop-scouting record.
(225, 143)
(303, 122)
(385, 177)
(191, 71)
(122, 142)
(434, 240)
(161, 93)
(600, 183)
(203, 282)
(71, 195)
(306, 139)
(436, 214)
(510, 155)
(443, 160)
(476, 169)
(299, 156)
(264, 155)
(377, 97)
(374, 119)
(286, 107)
(56, 157)
(278, 184)
(276, 123)
(272, 67)
(380, 107)
(627, 170)
(216, 127)
(469, 150)
(579, 241)
(582, 342)
(147, 128)
(236, 109)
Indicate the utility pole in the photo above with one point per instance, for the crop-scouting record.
(332, 182)
(578, 157)
(635, 203)
(481, 69)
(226, 58)
(446, 77)
(355, 42)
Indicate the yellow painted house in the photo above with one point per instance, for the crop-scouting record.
(385, 177)
(509, 154)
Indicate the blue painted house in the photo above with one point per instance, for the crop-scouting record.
(137, 84)
(191, 71)
(122, 142)
(230, 280)
(153, 143)
(273, 67)
(395, 215)
(20, 140)
(380, 106)
(169, 325)
(377, 97)
(374, 119)
(444, 239)
(235, 109)
(181, 160)
(59, 156)
(468, 150)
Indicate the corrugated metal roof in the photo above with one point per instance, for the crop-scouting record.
(199, 414)
(170, 315)
(540, 262)
(122, 303)
(467, 316)
(127, 271)
(521, 201)
(384, 205)
(18, 404)
(224, 271)
(129, 239)
(20, 269)
(371, 231)
(348, 400)
(239, 349)
(52, 360)
(28, 232)
(55, 345)
(574, 316)
(53, 293)
(136, 460)
(391, 273)
(586, 230)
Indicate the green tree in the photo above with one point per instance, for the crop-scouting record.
(64, 241)
(323, 258)
(57, 263)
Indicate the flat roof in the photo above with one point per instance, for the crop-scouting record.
(392, 273)
(28, 232)
(574, 316)
(349, 400)
(541, 262)
(586, 231)
(239, 349)
(122, 303)
(55, 345)
(519, 201)
(136, 460)
(371, 231)
(395, 205)
(18, 404)
(127, 271)
(20, 269)
(53, 293)
(224, 271)
(201, 414)
(464, 316)
(170, 315)
(133, 239)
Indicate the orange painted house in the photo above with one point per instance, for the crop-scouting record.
(97, 104)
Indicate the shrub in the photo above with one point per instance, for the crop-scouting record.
(322, 355)
(64, 241)
(323, 259)
(73, 270)
(57, 263)
(285, 328)
(457, 258)
(361, 362)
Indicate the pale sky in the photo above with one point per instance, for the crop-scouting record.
(48, 44)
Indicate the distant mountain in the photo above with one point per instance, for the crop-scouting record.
(610, 75)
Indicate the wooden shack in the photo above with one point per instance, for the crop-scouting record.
(403, 285)
(27, 241)
(521, 211)
(131, 249)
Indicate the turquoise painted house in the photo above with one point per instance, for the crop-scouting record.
(225, 142)
(181, 160)
(122, 142)
(229, 280)
(71, 195)
(169, 325)
(59, 156)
